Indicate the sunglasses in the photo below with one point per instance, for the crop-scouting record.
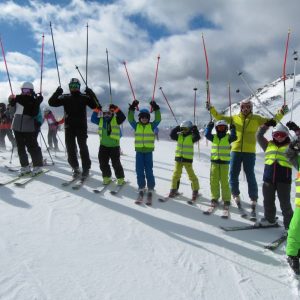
(26, 91)
(279, 135)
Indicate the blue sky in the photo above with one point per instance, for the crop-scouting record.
(243, 35)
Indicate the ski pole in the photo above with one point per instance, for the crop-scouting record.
(130, 83)
(11, 154)
(47, 147)
(207, 75)
(195, 97)
(295, 54)
(155, 80)
(3, 54)
(229, 98)
(168, 104)
(284, 65)
(55, 54)
(60, 141)
(77, 68)
(87, 54)
(42, 64)
(108, 71)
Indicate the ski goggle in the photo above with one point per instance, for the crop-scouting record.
(221, 127)
(74, 86)
(26, 91)
(279, 135)
(184, 129)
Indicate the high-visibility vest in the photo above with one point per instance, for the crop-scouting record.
(274, 153)
(115, 129)
(144, 136)
(220, 148)
(185, 146)
(297, 198)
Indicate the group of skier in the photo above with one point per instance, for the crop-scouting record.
(233, 146)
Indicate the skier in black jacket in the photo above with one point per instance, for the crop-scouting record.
(76, 123)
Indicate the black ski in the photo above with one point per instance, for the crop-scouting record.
(80, 183)
(210, 210)
(103, 188)
(276, 243)
(23, 181)
(249, 227)
(117, 189)
(165, 199)
(69, 182)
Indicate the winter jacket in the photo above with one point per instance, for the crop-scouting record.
(105, 135)
(274, 172)
(246, 128)
(135, 125)
(5, 120)
(27, 110)
(179, 137)
(51, 121)
(75, 108)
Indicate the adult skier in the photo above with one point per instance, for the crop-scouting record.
(75, 118)
(243, 151)
(26, 126)
(109, 131)
(277, 177)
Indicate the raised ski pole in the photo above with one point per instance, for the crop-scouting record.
(87, 54)
(42, 64)
(229, 98)
(284, 65)
(168, 104)
(295, 56)
(130, 82)
(195, 98)
(155, 80)
(207, 75)
(8, 77)
(108, 71)
(77, 68)
(55, 54)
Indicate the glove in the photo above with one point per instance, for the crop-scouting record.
(284, 109)
(97, 110)
(59, 91)
(270, 122)
(11, 98)
(208, 106)
(134, 105)
(154, 105)
(194, 128)
(295, 145)
(232, 126)
(40, 98)
(114, 108)
(292, 126)
(211, 125)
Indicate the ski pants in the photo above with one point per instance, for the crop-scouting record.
(219, 179)
(71, 135)
(237, 159)
(9, 134)
(110, 153)
(191, 174)
(52, 139)
(144, 170)
(293, 239)
(28, 140)
(283, 192)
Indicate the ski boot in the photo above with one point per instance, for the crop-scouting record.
(173, 193)
(75, 172)
(140, 197)
(149, 197)
(294, 263)
(24, 170)
(85, 174)
(237, 200)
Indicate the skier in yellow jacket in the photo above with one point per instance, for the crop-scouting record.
(243, 150)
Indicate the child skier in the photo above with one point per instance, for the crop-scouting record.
(220, 160)
(186, 135)
(5, 127)
(293, 238)
(144, 147)
(277, 173)
(109, 124)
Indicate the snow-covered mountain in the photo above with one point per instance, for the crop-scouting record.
(57, 243)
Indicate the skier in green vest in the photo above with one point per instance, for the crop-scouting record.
(186, 135)
(220, 160)
(293, 239)
(109, 123)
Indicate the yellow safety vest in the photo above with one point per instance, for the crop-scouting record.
(297, 198)
(185, 147)
(220, 148)
(115, 128)
(274, 153)
(144, 137)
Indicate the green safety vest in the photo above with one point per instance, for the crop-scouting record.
(274, 153)
(297, 198)
(144, 137)
(115, 129)
(185, 147)
(220, 148)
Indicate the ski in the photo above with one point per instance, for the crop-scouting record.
(24, 181)
(12, 169)
(117, 189)
(276, 243)
(80, 183)
(103, 188)
(13, 179)
(167, 198)
(210, 210)
(249, 227)
(69, 182)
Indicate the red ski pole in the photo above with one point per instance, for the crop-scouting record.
(130, 82)
(156, 72)
(284, 65)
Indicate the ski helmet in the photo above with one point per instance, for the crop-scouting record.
(144, 113)
(280, 131)
(2, 107)
(74, 84)
(186, 124)
(221, 125)
(27, 85)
